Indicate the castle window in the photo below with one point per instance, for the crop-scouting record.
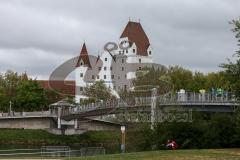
(122, 60)
(140, 68)
(97, 76)
(110, 68)
(122, 68)
(81, 64)
(126, 51)
(99, 68)
(112, 76)
(133, 50)
(139, 60)
(119, 52)
(105, 77)
(81, 88)
(93, 77)
(150, 52)
(105, 59)
(81, 74)
(125, 76)
(123, 51)
(125, 87)
(105, 68)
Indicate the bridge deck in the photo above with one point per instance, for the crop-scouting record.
(199, 102)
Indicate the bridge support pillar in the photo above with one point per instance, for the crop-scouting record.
(75, 123)
(153, 107)
(59, 118)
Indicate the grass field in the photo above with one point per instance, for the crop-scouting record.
(203, 154)
(211, 154)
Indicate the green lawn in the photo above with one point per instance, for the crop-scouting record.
(211, 154)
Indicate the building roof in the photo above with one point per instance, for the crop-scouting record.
(84, 57)
(136, 34)
(64, 87)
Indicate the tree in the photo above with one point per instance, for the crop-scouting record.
(98, 91)
(30, 96)
(180, 78)
(232, 68)
(11, 80)
(52, 96)
(149, 78)
(25, 94)
(217, 80)
(198, 82)
(8, 85)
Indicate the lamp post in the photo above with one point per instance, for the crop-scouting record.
(10, 108)
(153, 107)
(123, 135)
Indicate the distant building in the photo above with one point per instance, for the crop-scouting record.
(116, 68)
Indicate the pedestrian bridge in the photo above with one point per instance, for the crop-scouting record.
(195, 101)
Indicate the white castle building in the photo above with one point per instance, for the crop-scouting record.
(116, 67)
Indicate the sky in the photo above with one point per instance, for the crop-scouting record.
(37, 36)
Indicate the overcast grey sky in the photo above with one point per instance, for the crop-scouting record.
(39, 35)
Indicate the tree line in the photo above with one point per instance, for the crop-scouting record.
(23, 93)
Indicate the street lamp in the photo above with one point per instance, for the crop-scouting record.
(10, 108)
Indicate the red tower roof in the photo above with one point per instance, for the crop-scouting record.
(136, 34)
(84, 57)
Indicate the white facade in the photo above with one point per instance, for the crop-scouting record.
(117, 74)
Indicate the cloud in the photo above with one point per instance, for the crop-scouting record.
(30, 60)
(39, 35)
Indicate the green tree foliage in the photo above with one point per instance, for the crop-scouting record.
(176, 78)
(29, 96)
(25, 94)
(180, 78)
(53, 96)
(198, 82)
(8, 85)
(10, 82)
(98, 91)
(149, 78)
(232, 68)
(217, 80)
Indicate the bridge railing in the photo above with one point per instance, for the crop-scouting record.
(141, 101)
(94, 106)
(206, 98)
(27, 114)
(187, 98)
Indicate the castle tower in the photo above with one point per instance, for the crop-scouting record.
(138, 41)
(83, 59)
(83, 64)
